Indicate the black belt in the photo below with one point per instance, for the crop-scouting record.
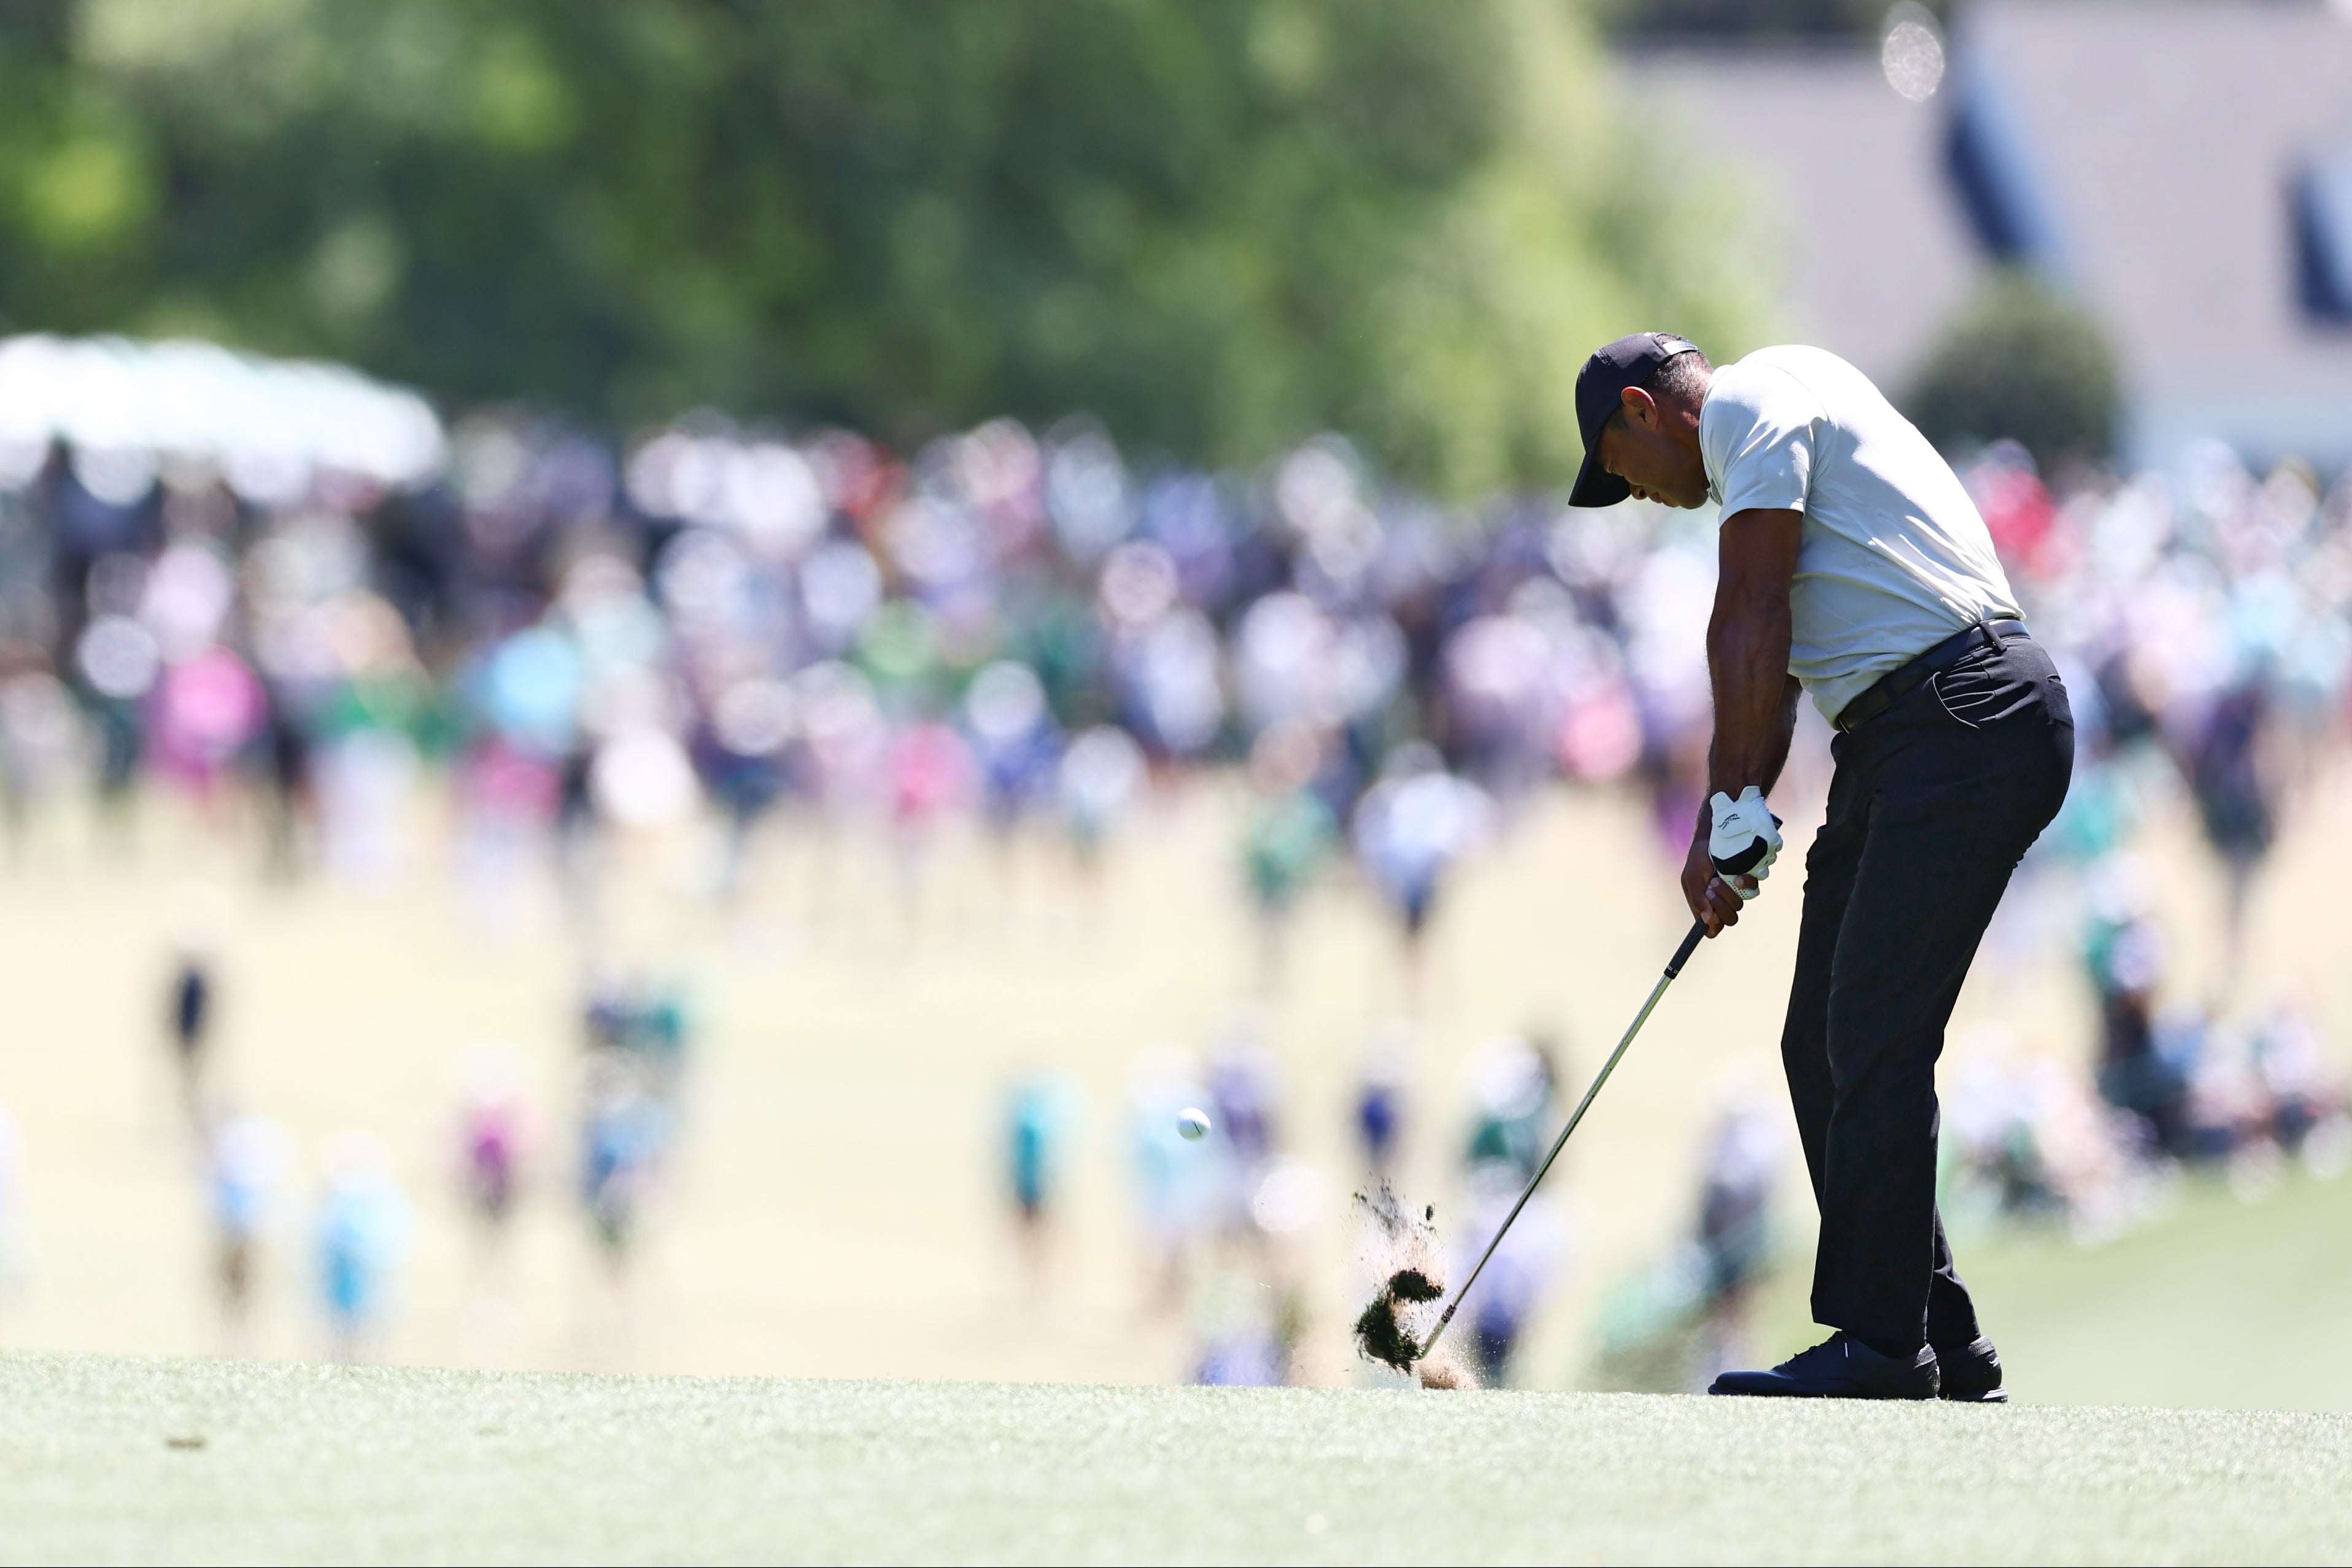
(1897, 683)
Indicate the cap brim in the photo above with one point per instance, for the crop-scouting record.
(1595, 486)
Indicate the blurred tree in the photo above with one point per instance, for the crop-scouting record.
(1220, 225)
(2025, 362)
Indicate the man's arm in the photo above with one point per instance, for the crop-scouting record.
(1747, 667)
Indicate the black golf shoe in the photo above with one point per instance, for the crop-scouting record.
(1971, 1373)
(1840, 1367)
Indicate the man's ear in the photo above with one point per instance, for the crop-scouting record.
(1641, 408)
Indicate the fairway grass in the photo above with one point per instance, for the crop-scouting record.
(114, 1458)
(2215, 1303)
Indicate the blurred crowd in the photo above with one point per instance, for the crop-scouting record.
(1007, 629)
(1002, 628)
(629, 1080)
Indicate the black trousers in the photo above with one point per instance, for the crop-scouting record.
(1932, 804)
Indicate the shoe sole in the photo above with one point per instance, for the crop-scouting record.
(1894, 1398)
(1990, 1397)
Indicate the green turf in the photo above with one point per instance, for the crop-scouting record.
(309, 1463)
(2216, 1303)
(2220, 1303)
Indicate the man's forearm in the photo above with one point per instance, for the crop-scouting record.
(1782, 732)
(1755, 699)
(1747, 641)
(1774, 761)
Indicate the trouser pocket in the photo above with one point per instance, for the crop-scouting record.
(1989, 685)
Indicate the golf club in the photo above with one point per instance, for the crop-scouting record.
(1674, 967)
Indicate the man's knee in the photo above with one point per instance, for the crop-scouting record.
(1881, 1064)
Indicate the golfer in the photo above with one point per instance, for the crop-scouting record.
(1854, 566)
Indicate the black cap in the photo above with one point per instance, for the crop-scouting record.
(1599, 391)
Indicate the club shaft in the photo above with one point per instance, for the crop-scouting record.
(1674, 968)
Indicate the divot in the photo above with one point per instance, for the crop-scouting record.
(1404, 1252)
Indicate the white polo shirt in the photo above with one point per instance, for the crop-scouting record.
(1893, 557)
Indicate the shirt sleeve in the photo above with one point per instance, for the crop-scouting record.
(1763, 441)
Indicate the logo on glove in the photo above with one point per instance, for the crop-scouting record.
(1744, 838)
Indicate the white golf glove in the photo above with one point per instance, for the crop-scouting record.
(1744, 839)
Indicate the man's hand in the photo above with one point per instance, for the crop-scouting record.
(1745, 838)
(1713, 902)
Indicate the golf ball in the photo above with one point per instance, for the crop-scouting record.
(1192, 1123)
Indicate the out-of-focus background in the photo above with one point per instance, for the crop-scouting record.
(671, 673)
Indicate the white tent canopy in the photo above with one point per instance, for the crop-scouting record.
(267, 426)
